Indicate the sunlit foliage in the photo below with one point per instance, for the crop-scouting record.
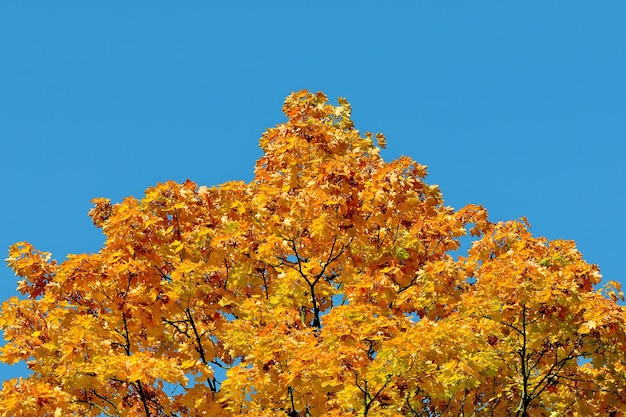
(329, 285)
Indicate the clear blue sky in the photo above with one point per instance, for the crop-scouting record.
(519, 107)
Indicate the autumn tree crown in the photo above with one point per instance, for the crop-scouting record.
(327, 285)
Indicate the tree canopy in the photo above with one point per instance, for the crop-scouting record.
(329, 285)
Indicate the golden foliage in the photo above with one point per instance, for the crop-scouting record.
(325, 286)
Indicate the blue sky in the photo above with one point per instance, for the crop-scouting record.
(519, 107)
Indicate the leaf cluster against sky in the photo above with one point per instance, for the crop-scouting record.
(324, 286)
(516, 107)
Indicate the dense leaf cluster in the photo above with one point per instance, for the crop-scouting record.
(324, 287)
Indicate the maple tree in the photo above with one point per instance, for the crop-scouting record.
(325, 286)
